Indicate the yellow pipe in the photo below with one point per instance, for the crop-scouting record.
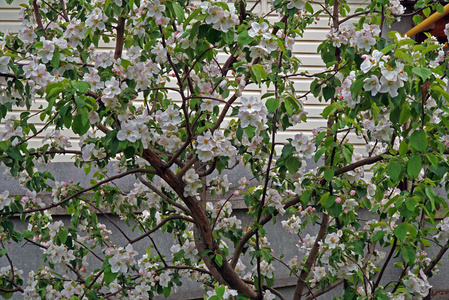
(430, 20)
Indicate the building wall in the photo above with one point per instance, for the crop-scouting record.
(305, 50)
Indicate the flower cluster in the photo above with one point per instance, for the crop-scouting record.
(213, 145)
(417, 285)
(193, 183)
(347, 34)
(121, 258)
(165, 110)
(221, 18)
(252, 113)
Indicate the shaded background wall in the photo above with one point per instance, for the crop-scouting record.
(27, 257)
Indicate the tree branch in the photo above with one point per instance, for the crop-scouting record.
(82, 191)
(120, 38)
(162, 223)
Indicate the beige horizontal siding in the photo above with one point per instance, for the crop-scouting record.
(305, 49)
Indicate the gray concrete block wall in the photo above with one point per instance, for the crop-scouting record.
(29, 257)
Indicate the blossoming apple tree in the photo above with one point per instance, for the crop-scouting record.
(169, 115)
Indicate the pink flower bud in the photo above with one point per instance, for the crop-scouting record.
(345, 210)
(352, 192)
(338, 200)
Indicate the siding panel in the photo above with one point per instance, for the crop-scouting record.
(305, 49)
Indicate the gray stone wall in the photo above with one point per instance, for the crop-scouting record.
(26, 256)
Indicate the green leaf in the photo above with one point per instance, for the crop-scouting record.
(81, 86)
(14, 153)
(80, 124)
(109, 276)
(328, 92)
(330, 201)
(432, 197)
(438, 89)
(319, 153)
(220, 290)
(53, 89)
(405, 56)
(347, 154)
(228, 36)
(63, 234)
(401, 231)
(356, 87)
(405, 113)
(190, 17)
(179, 11)
(281, 44)
(272, 104)
(71, 210)
(2, 252)
(315, 88)
(408, 254)
(250, 131)
(223, 5)
(329, 175)
(388, 48)
(410, 203)
(433, 159)
(125, 63)
(414, 166)
(323, 198)
(418, 140)
(394, 170)
(244, 38)
(440, 8)
(115, 143)
(308, 7)
(425, 242)
(328, 110)
(403, 148)
(129, 151)
(218, 258)
(79, 102)
(292, 164)
(56, 59)
(259, 73)
(424, 73)
(378, 235)
(412, 230)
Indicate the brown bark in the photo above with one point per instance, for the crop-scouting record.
(120, 38)
(205, 238)
(311, 258)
